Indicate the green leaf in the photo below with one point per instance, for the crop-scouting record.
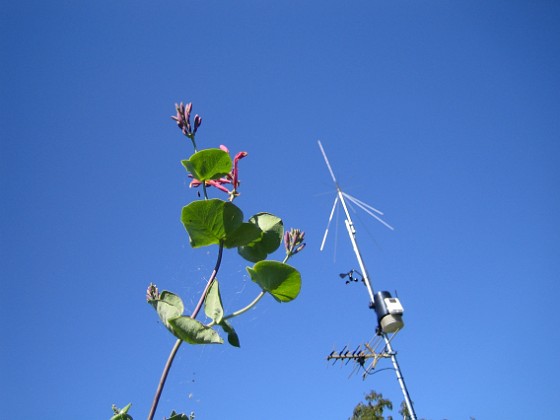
(213, 303)
(245, 234)
(194, 332)
(169, 306)
(121, 414)
(233, 338)
(272, 234)
(253, 253)
(273, 230)
(177, 416)
(122, 417)
(210, 221)
(281, 280)
(208, 164)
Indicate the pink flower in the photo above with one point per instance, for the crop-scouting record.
(235, 171)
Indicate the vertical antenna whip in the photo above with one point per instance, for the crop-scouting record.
(328, 164)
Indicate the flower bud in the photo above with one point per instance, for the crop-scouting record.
(197, 122)
(293, 241)
(152, 293)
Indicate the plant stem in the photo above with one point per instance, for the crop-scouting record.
(204, 190)
(191, 136)
(175, 348)
(246, 308)
(210, 282)
(161, 384)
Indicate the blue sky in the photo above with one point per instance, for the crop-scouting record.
(445, 115)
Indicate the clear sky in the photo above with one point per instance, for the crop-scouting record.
(445, 115)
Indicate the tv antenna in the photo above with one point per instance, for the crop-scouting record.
(388, 309)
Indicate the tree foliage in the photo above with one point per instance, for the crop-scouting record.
(373, 408)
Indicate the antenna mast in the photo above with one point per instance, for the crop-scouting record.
(389, 317)
(349, 227)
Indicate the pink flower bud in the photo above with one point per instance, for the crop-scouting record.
(197, 122)
(187, 111)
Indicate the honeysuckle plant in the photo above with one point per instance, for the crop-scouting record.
(220, 223)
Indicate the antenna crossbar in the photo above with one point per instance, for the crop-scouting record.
(361, 355)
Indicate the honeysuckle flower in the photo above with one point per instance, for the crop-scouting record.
(235, 171)
(217, 183)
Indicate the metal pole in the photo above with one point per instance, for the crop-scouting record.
(400, 378)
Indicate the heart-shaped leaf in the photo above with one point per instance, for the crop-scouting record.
(272, 229)
(208, 164)
(253, 253)
(281, 280)
(245, 234)
(210, 221)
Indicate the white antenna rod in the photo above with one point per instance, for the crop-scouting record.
(328, 164)
(365, 207)
(349, 227)
(329, 223)
(364, 204)
(352, 234)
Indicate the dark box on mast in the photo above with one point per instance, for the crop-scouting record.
(389, 312)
